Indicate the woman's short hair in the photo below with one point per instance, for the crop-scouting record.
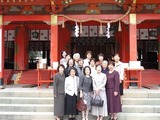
(76, 55)
(72, 68)
(88, 52)
(92, 59)
(98, 65)
(100, 54)
(61, 65)
(116, 54)
(111, 63)
(69, 60)
(85, 69)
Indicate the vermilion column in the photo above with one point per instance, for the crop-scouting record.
(158, 48)
(132, 38)
(54, 40)
(125, 46)
(21, 49)
(1, 53)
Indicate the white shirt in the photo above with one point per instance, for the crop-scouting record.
(99, 81)
(93, 70)
(63, 62)
(71, 85)
(120, 69)
(86, 62)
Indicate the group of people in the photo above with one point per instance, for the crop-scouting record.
(86, 78)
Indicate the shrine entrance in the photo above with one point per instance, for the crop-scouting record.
(95, 44)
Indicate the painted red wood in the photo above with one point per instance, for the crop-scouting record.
(29, 2)
(129, 73)
(64, 40)
(21, 49)
(11, 18)
(7, 76)
(30, 26)
(2, 52)
(151, 77)
(132, 42)
(54, 44)
(142, 17)
(45, 79)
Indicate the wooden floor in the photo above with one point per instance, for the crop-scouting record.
(149, 77)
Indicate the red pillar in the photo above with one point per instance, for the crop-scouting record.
(1, 52)
(158, 47)
(64, 39)
(54, 40)
(132, 38)
(21, 49)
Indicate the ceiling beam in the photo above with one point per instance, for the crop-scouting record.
(148, 1)
(24, 2)
(11, 18)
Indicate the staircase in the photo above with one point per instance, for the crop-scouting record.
(26, 104)
(34, 104)
(141, 104)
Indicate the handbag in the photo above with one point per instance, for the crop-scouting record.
(80, 105)
(97, 101)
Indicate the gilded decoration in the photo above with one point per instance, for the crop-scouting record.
(132, 18)
(54, 20)
(1, 19)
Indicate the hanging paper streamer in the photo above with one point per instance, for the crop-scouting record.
(119, 27)
(76, 30)
(101, 29)
(81, 31)
(63, 26)
(108, 28)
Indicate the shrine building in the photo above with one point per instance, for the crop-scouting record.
(33, 29)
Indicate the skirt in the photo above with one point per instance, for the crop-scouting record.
(70, 105)
(114, 104)
(59, 104)
(101, 111)
(87, 98)
(121, 88)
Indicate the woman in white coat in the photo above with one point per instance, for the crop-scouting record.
(71, 91)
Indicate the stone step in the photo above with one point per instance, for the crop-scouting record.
(139, 116)
(26, 107)
(26, 100)
(141, 93)
(141, 101)
(27, 93)
(49, 108)
(50, 116)
(141, 108)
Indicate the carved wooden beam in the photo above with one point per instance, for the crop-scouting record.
(157, 9)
